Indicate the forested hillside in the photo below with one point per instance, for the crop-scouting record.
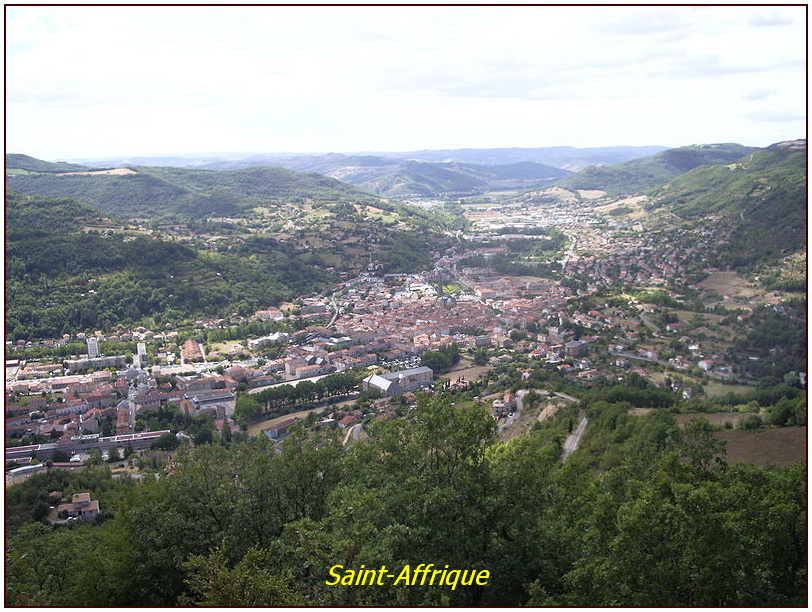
(646, 514)
(760, 197)
(68, 267)
(162, 192)
(640, 175)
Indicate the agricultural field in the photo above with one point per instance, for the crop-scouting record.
(728, 283)
(780, 447)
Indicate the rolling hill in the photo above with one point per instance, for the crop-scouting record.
(183, 193)
(26, 163)
(571, 159)
(641, 175)
(70, 267)
(760, 198)
(421, 173)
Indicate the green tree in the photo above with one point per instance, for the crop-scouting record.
(246, 409)
(248, 583)
(166, 441)
(438, 361)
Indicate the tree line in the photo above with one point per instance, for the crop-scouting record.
(645, 513)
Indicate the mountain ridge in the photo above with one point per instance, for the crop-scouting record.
(646, 173)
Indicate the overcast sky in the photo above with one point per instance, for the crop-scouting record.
(95, 81)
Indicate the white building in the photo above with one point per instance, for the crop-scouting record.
(93, 348)
(400, 382)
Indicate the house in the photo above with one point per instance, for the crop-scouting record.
(576, 348)
(80, 507)
(347, 421)
(277, 431)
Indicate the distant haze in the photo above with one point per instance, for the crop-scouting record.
(101, 81)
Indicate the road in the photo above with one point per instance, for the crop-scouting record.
(573, 440)
(569, 252)
(353, 431)
(520, 400)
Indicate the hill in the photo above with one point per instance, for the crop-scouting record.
(62, 276)
(25, 163)
(424, 173)
(760, 199)
(182, 193)
(397, 178)
(571, 159)
(71, 267)
(641, 175)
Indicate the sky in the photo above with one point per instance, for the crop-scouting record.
(95, 81)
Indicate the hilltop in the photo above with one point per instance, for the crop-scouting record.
(408, 178)
(20, 164)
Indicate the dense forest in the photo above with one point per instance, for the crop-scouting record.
(643, 514)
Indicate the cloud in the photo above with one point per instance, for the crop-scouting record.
(646, 22)
(712, 65)
(758, 94)
(771, 20)
(775, 116)
(41, 97)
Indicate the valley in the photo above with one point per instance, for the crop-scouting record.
(258, 315)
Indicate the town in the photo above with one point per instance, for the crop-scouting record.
(619, 300)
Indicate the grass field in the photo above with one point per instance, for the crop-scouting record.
(467, 370)
(718, 389)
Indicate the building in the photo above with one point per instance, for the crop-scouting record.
(140, 359)
(280, 429)
(80, 507)
(400, 382)
(78, 365)
(93, 348)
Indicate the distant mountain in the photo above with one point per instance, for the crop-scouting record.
(760, 199)
(392, 177)
(153, 192)
(423, 173)
(640, 175)
(566, 158)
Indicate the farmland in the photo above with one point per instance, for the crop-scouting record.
(779, 447)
